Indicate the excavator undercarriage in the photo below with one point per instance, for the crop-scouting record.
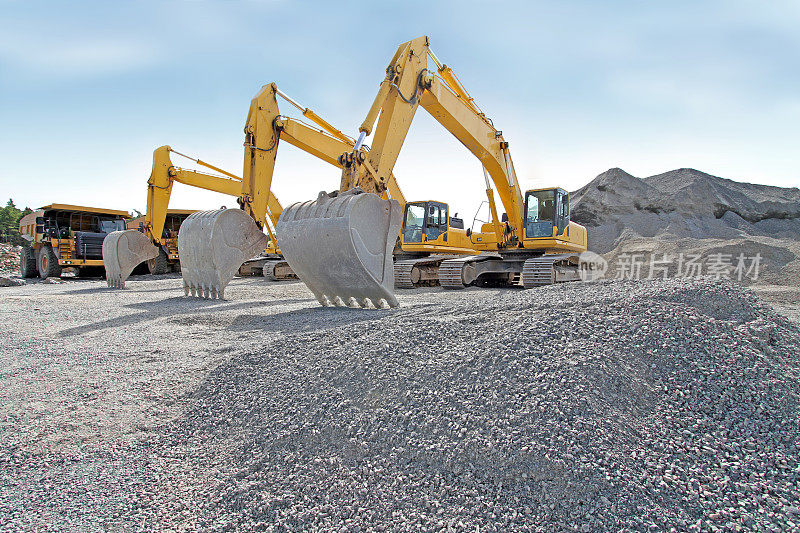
(513, 269)
(414, 272)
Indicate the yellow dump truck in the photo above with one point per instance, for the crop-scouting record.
(66, 236)
(167, 258)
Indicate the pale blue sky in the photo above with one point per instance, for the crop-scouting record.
(89, 89)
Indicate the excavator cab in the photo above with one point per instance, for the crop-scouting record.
(546, 209)
(428, 219)
(429, 228)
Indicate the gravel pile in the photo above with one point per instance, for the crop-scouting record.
(617, 405)
(9, 258)
(683, 203)
(645, 406)
(689, 212)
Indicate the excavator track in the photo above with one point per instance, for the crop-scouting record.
(451, 272)
(417, 272)
(403, 274)
(502, 271)
(550, 269)
(271, 267)
(537, 272)
(278, 270)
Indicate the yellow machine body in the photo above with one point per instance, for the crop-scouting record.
(520, 249)
(65, 235)
(429, 228)
(546, 224)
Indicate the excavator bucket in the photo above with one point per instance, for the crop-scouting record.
(122, 252)
(340, 246)
(212, 246)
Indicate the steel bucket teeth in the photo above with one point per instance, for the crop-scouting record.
(212, 245)
(341, 247)
(122, 252)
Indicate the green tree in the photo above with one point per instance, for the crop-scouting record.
(9, 222)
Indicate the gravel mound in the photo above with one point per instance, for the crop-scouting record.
(683, 203)
(9, 259)
(652, 405)
(617, 405)
(690, 212)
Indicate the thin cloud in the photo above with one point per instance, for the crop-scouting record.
(75, 58)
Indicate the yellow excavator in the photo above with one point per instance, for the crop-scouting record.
(152, 242)
(340, 244)
(428, 236)
(211, 251)
(124, 250)
(419, 250)
(212, 245)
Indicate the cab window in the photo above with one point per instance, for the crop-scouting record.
(432, 228)
(540, 211)
(562, 211)
(107, 226)
(412, 225)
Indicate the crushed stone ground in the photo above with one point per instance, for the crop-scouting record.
(618, 405)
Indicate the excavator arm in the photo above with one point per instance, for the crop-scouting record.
(485, 143)
(215, 240)
(124, 250)
(407, 85)
(164, 174)
(361, 273)
(266, 127)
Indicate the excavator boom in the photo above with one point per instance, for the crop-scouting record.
(407, 85)
(205, 273)
(213, 244)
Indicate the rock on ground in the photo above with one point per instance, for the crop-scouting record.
(9, 259)
(618, 405)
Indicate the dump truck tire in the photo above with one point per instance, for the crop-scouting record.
(27, 262)
(48, 263)
(159, 264)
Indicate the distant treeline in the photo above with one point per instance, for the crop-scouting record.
(9, 222)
